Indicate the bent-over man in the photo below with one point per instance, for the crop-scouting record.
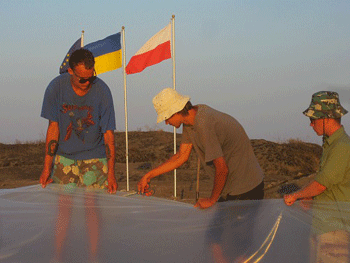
(221, 144)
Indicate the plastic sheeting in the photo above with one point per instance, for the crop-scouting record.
(76, 225)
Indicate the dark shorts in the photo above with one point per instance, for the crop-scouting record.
(90, 173)
(255, 194)
(232, 228)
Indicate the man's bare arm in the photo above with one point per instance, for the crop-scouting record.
(51, 145)
(221, 172)
(110, 153)
(174, 162)
(314, 188)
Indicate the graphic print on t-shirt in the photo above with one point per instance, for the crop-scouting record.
(80, 120)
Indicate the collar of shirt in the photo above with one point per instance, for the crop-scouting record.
(335, 136)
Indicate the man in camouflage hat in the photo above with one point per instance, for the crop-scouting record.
(332, 181)
(330, 237)
(325, 105)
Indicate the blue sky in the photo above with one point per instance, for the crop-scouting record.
(259, 61)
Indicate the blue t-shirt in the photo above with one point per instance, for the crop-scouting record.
(82, 119)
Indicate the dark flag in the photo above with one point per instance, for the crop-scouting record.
(65, 65)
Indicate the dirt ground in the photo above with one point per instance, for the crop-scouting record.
(286, 166)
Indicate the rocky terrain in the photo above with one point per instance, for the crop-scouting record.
(287, 166)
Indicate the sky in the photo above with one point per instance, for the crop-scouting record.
(259, 61)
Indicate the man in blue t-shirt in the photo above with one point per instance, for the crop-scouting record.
(80, 147)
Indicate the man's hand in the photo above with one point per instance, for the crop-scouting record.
(44, 179)
(112, 185)
(289, 199)
(143, 185)
(204, 203)
(314, 188)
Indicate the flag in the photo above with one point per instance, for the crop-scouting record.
(107, 53)
(65, 65)
(154, 51)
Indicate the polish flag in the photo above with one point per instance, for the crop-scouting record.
(154, 51)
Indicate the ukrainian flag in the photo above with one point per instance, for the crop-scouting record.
(107, 53)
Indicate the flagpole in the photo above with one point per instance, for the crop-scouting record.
(82, 39)
(173, 57)
(126, 114)
(197, 184)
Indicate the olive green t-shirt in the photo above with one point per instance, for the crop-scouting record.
(216, 134)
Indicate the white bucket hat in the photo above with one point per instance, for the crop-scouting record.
(168, 102)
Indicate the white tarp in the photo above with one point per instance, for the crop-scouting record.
(76, 225)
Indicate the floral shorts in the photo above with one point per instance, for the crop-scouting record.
(90, 173)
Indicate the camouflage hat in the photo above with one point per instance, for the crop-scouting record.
(325, 104)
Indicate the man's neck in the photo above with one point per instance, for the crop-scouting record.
(189, 119)
(332, 128)
(79, 91)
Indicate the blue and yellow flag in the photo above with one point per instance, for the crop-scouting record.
(107, 53)
(65, 65)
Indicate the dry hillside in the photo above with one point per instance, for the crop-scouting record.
(286, 165)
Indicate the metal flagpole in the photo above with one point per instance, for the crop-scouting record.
(82, 39)
(126, 115)
(173, 56)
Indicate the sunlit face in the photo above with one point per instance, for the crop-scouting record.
(317, 125)
(81, 74)
(175, 120)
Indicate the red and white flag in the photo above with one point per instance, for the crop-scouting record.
(154, 51)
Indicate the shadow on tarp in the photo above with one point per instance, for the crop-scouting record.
(58, 224)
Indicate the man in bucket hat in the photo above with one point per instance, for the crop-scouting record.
(332, 181)
(221, 144)
(329, 240)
